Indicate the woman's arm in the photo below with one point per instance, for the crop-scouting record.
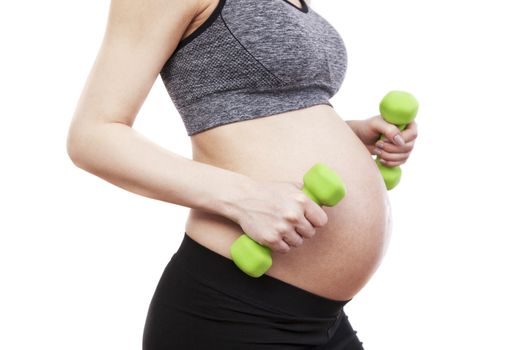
(353, 125)
(139, 38)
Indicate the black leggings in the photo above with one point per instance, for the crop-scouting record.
(203, 301)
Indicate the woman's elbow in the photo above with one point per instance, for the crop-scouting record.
(74, 144)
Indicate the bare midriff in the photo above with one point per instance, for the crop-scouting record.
(343, 254)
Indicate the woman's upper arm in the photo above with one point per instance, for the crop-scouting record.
(140, 36)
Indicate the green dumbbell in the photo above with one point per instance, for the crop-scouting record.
(399, 108)
(322, 185)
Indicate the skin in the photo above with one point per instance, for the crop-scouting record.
(391, 152)
(297, 3)
(244, 176)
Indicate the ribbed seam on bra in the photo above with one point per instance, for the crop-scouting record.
(248, 51)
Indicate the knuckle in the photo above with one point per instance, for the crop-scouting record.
(298, 243)
(284, 248)
(321, 223)
(397, 157)
(272, 240)
(299, 240)
(322, 217)
(386, 156)
(301, 198)
(291, 216)
(387, 147)
(393, 129)
(281, 228)
(308, 233)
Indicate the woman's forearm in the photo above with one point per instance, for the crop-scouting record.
(353, 125)
(120, 155)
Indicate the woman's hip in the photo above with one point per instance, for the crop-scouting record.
(203, 301)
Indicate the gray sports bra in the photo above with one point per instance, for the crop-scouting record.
(251, 59)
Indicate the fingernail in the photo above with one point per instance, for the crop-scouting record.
(377, 151)
(380, 144)
(382, 160)
(399, 140)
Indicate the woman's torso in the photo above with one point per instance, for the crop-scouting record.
(338, 261)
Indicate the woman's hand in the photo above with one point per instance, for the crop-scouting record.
(278, 214)
(395, 148)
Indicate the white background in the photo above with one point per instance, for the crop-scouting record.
(80, 257)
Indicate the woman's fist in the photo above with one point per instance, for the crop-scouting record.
(395, 148)
(279, 215)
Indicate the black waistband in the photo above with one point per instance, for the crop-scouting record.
(222, 273)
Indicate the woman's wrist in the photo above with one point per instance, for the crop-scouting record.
(232, 194)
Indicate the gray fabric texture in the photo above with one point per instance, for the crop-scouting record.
(252, 59)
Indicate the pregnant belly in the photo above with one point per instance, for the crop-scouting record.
(338, 261)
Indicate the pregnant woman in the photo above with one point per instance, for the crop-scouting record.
(251, 80)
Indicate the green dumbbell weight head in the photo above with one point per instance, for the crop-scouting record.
(391, 175)
(322, 185)
(399, 108)
(250, 256)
